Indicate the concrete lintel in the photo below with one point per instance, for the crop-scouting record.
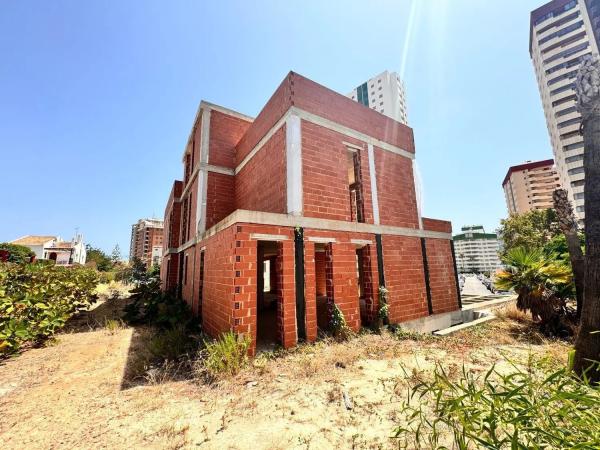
(228, 111)
(287, 220)
(218, 169)
(361, 242)
(268, 237)
(321, 240)
(352, 146)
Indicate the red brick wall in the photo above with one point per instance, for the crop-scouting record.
(442, 280)
(245, 283)
(404, 278)
(171, 228)
(311, 290)
(325, 174)
(286, 292)
(371, 283)
(396, 190)
(218, 292)
(225, 133)
(261, 184)
(273, 110)
(437, 225)
(169, 279)
(320, 274)
(220, 197)
(187, 282)
(313, 97)
(190, 195)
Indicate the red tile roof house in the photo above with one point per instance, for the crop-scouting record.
(312, 203)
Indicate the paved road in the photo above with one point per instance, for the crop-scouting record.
(474, 287)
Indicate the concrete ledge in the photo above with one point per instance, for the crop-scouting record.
(462, 326)
(446, 323)
(288, 220)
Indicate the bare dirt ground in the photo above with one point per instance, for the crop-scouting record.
(72, 393)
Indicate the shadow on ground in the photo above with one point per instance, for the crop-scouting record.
(143, 364)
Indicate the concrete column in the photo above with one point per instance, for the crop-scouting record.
(293, 156)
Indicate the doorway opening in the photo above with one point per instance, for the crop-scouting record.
(321, 287)
(267, 295)
(362, 276)
(198, 311)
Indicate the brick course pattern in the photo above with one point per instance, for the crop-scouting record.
(340, 266)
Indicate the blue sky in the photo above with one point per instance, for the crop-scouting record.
(97, 98)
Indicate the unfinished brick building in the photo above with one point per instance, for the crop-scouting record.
(312, 203)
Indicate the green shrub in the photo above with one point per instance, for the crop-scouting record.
(383, 313)
(17, 253)
(338, 324)
(36, 300)
(225, 356)
(170, 344)
(531, 407)
(149, 305)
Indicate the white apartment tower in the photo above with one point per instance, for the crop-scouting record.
(476, 251)
(562, 32)
(384, 93)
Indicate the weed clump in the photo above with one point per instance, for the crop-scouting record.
(224, 357)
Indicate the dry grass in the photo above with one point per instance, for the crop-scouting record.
(289, 399)
(510, 311)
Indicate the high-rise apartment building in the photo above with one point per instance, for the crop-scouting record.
(530, 185)
(476, 251)
(384, 93)
(147, 241)
(562, 33)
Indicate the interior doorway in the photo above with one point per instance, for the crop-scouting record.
(267, 295)
(364, 300)
(321, 287)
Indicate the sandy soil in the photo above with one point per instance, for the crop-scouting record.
(72, 394)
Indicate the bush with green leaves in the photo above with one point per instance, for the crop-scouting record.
(383, 312)
(225, 356)
(542, 285)
(17, 253)
(151, 306)
(535, 406)
(37, 299)
(338, 325)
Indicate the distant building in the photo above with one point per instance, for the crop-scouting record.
(530, 185)
(147, 241)
(476, 251)
(562, 33)
(53, 248)
(384, 93)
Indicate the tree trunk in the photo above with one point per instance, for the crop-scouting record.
(568, 225)
(587, 345)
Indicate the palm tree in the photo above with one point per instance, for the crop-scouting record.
(587, 345)
(537, 281)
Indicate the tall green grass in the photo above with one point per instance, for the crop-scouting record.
(225, 356)
(531, 407)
